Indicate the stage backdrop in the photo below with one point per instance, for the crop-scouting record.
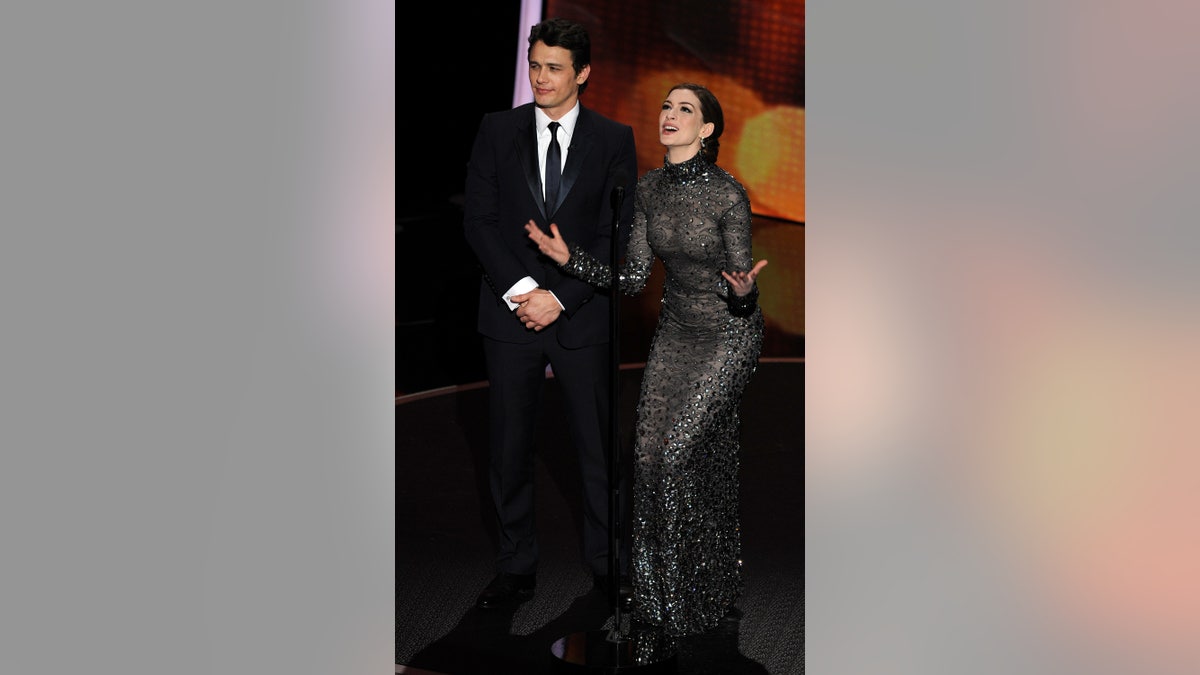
(750, 53)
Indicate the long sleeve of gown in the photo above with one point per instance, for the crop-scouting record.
(735, 229)
(633, 272)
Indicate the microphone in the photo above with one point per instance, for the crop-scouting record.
(618, 192)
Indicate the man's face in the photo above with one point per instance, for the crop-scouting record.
(553, 80)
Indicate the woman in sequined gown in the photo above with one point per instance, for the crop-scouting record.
(695, 217)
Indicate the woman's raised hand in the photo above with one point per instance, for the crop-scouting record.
(551, 244)
(742, 282)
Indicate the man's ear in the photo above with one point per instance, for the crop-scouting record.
(583, 74)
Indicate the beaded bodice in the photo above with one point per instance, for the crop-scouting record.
(695, 217)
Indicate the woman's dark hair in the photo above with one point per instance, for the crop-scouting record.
(568, 35)
(710, 111)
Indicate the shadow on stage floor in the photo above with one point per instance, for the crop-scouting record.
(444, 546)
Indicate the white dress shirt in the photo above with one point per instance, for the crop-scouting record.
(543, 140)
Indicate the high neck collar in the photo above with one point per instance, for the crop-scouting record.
(687, 169)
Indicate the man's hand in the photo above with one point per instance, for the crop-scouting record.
(537, 308)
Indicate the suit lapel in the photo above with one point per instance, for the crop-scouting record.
(525, 145)
(582, 142)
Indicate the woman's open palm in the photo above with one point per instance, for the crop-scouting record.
(551, 244)
(742, 282)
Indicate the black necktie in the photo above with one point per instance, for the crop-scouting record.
(553, 168)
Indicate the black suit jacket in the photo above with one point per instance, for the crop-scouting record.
(504, 191)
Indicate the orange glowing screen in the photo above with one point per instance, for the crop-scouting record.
(750, 54)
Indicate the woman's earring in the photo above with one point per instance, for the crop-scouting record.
(701, 142)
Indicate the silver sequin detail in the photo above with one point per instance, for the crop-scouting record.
(686, 564)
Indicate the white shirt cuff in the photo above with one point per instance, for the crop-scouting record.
(523, 286)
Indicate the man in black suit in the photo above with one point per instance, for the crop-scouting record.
(530, 313)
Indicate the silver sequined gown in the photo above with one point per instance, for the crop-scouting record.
(686, 558)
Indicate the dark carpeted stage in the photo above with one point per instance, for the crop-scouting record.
(444, 546)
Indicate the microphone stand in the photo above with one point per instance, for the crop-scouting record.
(619, 650)
(614, 428)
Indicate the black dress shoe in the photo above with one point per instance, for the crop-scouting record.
(506, 590)
(625, 592)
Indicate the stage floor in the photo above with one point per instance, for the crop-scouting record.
(444, 547)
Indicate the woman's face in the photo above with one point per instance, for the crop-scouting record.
(680, 124)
